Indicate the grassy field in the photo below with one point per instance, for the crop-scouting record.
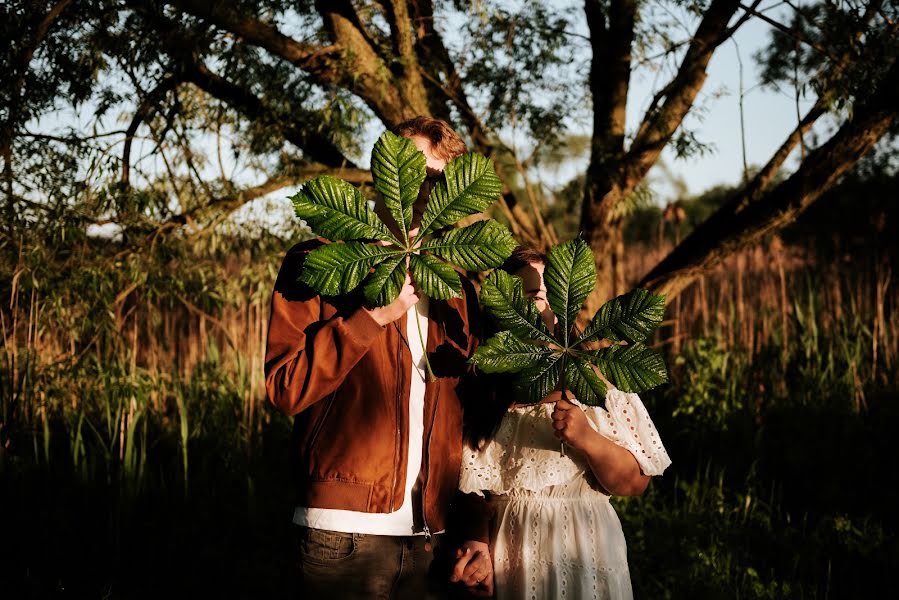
(139, 457)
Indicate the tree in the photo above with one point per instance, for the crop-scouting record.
(294, 84)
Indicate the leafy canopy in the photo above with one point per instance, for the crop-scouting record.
(542, 358)
(336, 210)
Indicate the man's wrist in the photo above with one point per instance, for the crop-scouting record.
(363, 325)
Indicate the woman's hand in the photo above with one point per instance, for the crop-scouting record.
(616, 469)
(474, 568)
(571, 425)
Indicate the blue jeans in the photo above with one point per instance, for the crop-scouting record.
(336, 565)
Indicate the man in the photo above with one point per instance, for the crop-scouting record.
(377, 445)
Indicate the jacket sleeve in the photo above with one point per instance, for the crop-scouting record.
(308, 357)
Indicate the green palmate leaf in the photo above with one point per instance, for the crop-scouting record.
(632, 368)
(398, 170)
(385, 283)
(504, 353)
(335, 269)
(504, 299)
(336, 210)
(538, 381)
(570, 276)
(632, 317)
(470, 185)
(478, 247)
(435, 278)
(584, 383)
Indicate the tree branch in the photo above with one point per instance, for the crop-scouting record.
(831, 74)
(789, 31)
(231, 202)
(314, 145)
(404, 45)
(435, 58)
(613, 175)
(400, 29)
(740, 223)
(364, 71)
(660, 123)
(311, 58)
(610, 69)
(21, 73)
(144, 110)
(756, 187)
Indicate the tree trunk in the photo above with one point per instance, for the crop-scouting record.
(614, 173)
(601, 230)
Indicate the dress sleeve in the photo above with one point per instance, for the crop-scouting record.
(626, 422)
(523, 455)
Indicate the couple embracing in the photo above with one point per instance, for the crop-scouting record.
(392, 503)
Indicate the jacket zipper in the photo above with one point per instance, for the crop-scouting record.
(424, 487)
(398, 402)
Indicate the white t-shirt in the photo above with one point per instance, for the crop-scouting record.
(399, 522)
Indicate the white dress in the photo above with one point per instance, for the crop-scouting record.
(556, 535)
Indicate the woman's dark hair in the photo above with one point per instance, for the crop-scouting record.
(483, 419)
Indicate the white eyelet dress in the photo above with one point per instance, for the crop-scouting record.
(555, 533)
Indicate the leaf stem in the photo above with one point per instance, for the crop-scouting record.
(564, 397)
(424, 346)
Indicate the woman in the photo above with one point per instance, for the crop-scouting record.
(554, 533)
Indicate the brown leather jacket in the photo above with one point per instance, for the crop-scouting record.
(347, 380)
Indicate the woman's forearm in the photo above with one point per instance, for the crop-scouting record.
(616, 469)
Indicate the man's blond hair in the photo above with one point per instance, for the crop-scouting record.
(445, 142)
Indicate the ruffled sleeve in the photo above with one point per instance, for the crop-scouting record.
(525, 454)
(626, 422)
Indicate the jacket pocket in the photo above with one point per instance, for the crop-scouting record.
(320, 423)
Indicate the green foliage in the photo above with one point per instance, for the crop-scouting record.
(469, 186)
(542, 358)
(520, 60)
(713, 391)
(504, 298)
(398, 170)
(751, 507)
(851, 65)
(337, 210)
(570, 276)
(781, 487)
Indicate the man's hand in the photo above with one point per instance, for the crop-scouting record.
(474, 568)
(571, 425)
(384, 315)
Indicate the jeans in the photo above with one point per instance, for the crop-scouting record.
(334, 565)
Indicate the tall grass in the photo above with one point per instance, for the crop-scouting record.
(787, 297)
(140, 374)
(778, 420)
(111, 352)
